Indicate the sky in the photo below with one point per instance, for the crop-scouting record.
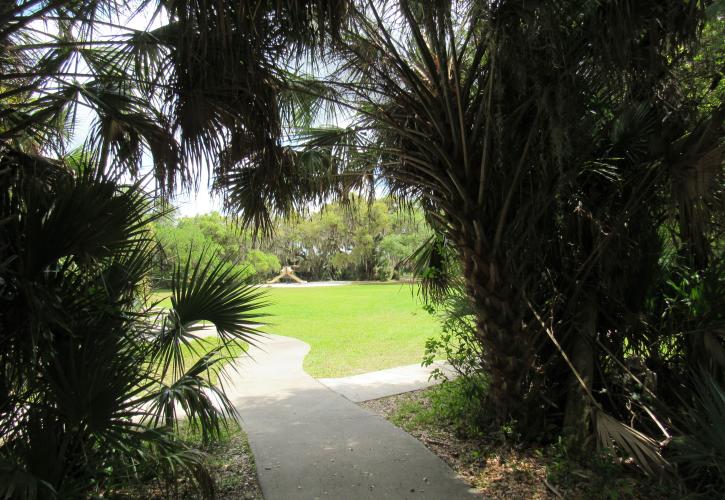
(197, 202)
(188, 203)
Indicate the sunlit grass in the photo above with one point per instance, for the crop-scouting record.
(351, 329)
(160, 298)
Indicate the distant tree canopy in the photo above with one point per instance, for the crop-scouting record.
(360, 242)
(211, 235)
(351, 242)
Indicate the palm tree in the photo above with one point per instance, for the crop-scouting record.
(535, 136)
(202, 87)
(93, 379)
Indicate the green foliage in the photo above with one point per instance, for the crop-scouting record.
(262, 264)
(699, 450)
(229, 461)
(197, 348)
(549, 143)
(457, 343)
(93, 381)
(454, 404)
(144, 92)
(702, 77)
(605, 476)
(353, 241)
(209, 234)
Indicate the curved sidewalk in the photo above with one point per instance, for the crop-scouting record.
(389, 382)
(310, 442)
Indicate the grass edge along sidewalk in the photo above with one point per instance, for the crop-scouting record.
(352, 329)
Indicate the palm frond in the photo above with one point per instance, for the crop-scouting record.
(327, 163)
(205, 289)
(699, 450)
(644, 450)
(434, 264)
(214, 291)
(15, 482)
(205, 406)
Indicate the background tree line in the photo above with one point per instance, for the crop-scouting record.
(353, 241)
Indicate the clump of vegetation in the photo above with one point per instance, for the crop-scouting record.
(94, 380)
(229, 460)
(691, 406)
(351, 241)
(197, 349)
(698, 450)
(207, 234)
(449, 404)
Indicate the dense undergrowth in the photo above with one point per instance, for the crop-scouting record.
(229, 460)
(689, 405)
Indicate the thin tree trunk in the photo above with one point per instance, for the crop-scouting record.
(578, 408)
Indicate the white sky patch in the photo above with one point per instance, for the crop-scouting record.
(198, 201)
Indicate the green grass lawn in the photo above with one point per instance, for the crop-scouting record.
(353, 328)
(161, 298)
(199, 347)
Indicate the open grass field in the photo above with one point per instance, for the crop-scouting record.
(351, 328)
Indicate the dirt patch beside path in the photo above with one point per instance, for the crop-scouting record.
(501, 471)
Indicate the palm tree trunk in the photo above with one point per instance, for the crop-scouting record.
(503, 333)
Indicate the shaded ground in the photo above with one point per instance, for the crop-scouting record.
(234, 469)
(230, 462)
(498, 470)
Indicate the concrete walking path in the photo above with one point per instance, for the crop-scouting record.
(310, 442)
(383, 383)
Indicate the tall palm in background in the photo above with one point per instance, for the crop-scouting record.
(93, 379)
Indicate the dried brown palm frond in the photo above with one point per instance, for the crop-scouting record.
(645, 451)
